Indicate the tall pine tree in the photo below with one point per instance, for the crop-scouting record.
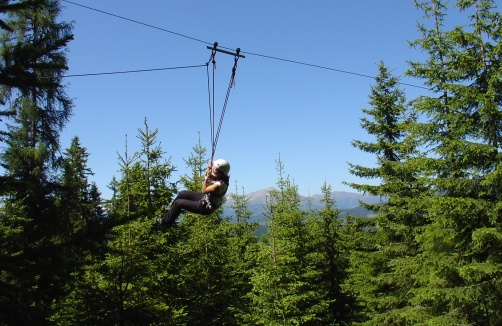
(456, 272)
(281, 294)
(327, 262)
(125, 284)
(242, 259)
(393, 228)
(34, 46)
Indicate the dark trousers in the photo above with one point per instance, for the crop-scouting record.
(186, 200)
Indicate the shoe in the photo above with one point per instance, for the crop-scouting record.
(158, 221)
(155, 225)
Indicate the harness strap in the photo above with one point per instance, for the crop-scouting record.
(206, 202)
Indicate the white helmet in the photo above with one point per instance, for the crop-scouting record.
(222, 166)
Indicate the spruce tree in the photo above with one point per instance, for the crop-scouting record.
(79, 200)
(156, 189)
(455, 273)
(38, 113)
(243, 245)
(327, 265)
(83, 219)
(20, 56)
(281, 293)
(431, 260)
(125, 284)
(389, 237)
(43, 39)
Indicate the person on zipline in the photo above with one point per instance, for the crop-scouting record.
(214, 188)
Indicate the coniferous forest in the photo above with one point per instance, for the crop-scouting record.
(430, 255)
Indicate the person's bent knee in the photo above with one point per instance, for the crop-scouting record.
(182, 194)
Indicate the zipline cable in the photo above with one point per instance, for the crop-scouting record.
(123, 72)
(135, 21)
(250, 53)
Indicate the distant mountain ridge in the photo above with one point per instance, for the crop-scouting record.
(345, 202)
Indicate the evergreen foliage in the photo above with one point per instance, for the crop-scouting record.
(452, 279)
(121, 284)
(33, 271)
(300, 267)
(34, 52)
(280, 295)
(242, 259)
(33, 45)
(439, 197)
(389, 239)
(328, 262)
(431, 255)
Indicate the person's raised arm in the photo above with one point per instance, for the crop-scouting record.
(206, 188)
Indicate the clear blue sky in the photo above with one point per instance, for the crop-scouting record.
(306, 115)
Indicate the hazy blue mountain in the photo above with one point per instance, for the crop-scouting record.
(346, 202)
